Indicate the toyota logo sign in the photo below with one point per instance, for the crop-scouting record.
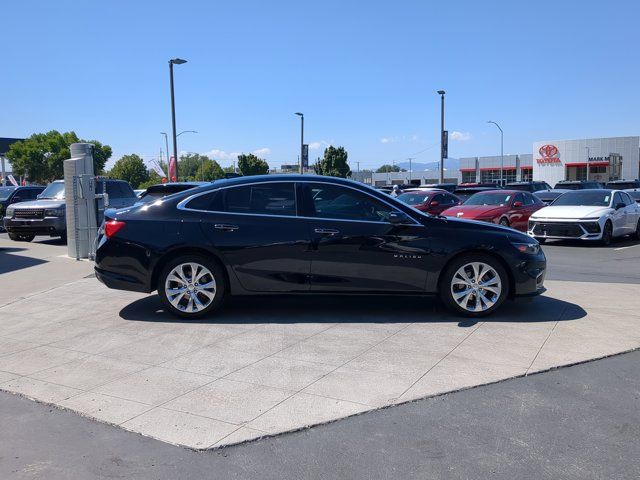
(548, 151)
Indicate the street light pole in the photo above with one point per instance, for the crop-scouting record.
(172, 62)
(410, 169)
(301, 115)
(588, 155)
(501, 151)
(441, 93)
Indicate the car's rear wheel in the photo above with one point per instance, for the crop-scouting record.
(607, 234)
(474, 285)
(636, 235)
(504, 222)
(192, 286)
(20, 237)
(541, 241)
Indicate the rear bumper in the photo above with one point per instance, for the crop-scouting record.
(53, 226)
(120, 282)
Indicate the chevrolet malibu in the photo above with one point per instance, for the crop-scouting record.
(593, 215)
(509, 208)
(309, 235)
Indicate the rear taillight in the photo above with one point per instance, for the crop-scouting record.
(112, 227)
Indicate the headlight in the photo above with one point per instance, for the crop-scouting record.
(10, 212)
(54, 212)
(530, 248)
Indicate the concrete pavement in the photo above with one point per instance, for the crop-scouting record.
(580, 422)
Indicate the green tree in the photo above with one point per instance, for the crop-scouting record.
(209, 171)
(130, 168)
(41, 156)
(389, 168)
(334, 163)
(189, 164)
(251, 165)
(154, 178)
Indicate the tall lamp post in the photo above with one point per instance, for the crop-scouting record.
(172, 62)
(441, 93)
(501, 150)
(588, 155)
(301, 115)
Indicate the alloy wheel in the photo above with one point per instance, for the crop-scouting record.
(190, 287)
(476, 287)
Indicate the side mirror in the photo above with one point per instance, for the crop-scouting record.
(517, 204)
(434, 203)
(397, 217)
(620, 205)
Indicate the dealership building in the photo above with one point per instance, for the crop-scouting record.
(597, 159)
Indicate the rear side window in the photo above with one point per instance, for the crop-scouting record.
(264, 199)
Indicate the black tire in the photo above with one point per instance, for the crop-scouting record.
(636, 235)
(504, 222)
(220, 287)
(19, 237)
(63, 237)
(607, 234)
(541, 241)
(446, 279)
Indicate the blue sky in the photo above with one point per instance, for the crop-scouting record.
(364, 73)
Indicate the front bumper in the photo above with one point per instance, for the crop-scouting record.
(565, 230)
(53, 226)
(528, 274)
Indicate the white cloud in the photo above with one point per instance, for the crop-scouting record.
(388, 139)
(403, 138)
(314, 145)
(262, 151)
(460, 136)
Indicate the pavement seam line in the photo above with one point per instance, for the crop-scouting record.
(546, 340)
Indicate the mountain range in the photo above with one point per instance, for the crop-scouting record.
(449, 164)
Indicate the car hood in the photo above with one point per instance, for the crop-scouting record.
(42, 203)
(473, 211)
(570, 211)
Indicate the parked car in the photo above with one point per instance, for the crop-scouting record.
(46, 215)
(309, 234)
(10, 195)
(509, 208)
(634, 193)
(463, 193)
(155, 192)
(530, 187)
(623, 184)
(433, 201)
(548, 196)
(577, 185)
(592, 215)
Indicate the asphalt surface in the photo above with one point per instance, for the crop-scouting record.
(580, 422)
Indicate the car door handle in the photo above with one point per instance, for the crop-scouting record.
(225, 227)
(327, 231)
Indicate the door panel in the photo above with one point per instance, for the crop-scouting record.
(356, 249)
(268, 252)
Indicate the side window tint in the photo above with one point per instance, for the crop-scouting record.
(112, 190)
(519, 198)
(332, 201)
(529, 200)
(626, 199)
(208, 202)
(617, 199)
(448, 200)
(266, 199)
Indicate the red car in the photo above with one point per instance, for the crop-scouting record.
(433, 201)
(510, 208)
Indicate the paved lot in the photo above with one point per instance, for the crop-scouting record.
(270, 365)
(580, 422)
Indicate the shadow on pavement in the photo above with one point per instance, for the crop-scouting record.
(10, 262)
(353, 309)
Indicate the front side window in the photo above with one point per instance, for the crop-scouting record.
(413, 198)
(336, 202)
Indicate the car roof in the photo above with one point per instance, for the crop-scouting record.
(524, 183)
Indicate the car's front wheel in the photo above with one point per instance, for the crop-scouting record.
(191, 286)
(607, 234)
(474, 285)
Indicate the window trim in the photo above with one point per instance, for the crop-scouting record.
(182, 204)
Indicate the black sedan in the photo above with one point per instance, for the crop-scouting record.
(313, 235)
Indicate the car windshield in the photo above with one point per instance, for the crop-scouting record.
(496, 199)
(5, 192)
(413, 198)
(584, 198)
(54, 190)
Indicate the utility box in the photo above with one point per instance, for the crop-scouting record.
(79, 184)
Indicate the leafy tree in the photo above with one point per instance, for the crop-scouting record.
(130, 168)
(154, 178)
(41, 156)
(209, 171)
(189, 164)
(389, 168)
(251, 165)
(334, 163)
